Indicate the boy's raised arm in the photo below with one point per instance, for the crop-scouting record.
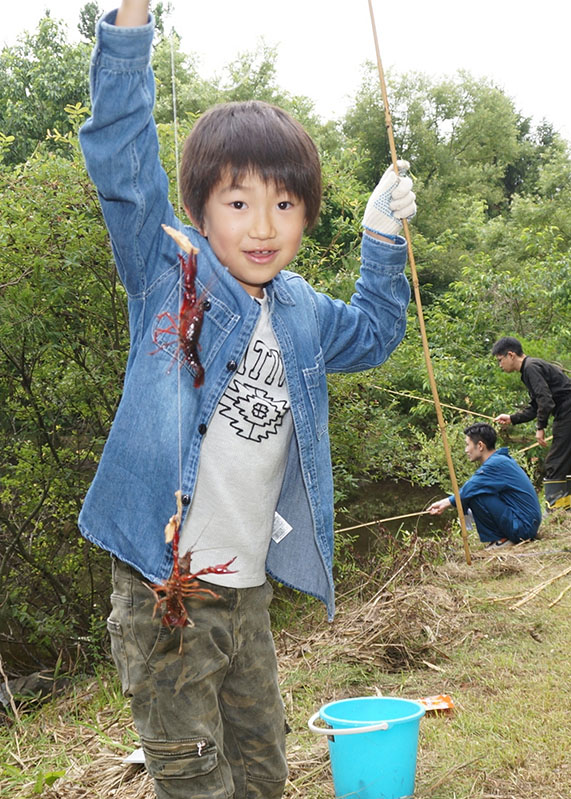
(120, 146)
(132, 13)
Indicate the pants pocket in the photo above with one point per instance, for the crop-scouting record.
(194, 760)
(119, 653)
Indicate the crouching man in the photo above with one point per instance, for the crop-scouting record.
(500, 495)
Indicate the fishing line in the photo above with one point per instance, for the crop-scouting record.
(175, 124)
(179, 208)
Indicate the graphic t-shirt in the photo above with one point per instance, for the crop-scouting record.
(242, 464)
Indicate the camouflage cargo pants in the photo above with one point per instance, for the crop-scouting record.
(211, 718)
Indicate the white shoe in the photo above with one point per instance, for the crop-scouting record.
(503, 542)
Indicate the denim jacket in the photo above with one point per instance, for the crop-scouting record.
(132, 495)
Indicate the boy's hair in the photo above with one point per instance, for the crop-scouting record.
(252, 136)
(507, 344)
(482, 432)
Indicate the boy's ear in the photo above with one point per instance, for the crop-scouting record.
(193, 221)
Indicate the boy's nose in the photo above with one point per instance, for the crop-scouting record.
(262, 225)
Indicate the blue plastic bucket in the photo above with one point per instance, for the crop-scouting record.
(373, 743)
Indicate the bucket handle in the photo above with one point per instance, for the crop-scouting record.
(381, 725)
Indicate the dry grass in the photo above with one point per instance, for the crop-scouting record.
(423, 626)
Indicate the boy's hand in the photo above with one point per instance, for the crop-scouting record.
(391, 201)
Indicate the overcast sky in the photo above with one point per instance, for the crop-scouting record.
(522, 46)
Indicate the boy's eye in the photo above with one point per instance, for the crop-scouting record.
(238, 204)
(284, 205)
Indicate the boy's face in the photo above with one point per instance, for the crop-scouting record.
(254, 229)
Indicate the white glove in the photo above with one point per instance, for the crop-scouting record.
(391, 201)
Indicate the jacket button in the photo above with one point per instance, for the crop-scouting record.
(206, 305)
(231, 366)
(202, 429)
(185, 499)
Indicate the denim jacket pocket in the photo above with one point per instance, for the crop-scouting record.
(314, 382)
(191, 335)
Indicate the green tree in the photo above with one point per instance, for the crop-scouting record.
(459, 134)
(161, 12)
(39, 76)
(63, 342)
(88, 17)
(193, 94)
(522, 175)
(252, 75)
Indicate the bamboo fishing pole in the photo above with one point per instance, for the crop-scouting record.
(454, 408)
(434, 389)
(379, 521)
(425, 399)
(531, 446)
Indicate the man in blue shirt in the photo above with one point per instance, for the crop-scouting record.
(500, 494)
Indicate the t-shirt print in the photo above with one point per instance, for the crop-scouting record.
(255, 401)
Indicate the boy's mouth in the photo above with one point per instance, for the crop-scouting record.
(260, 256)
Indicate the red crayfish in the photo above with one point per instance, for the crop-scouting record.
(182, 583)
(187, 324)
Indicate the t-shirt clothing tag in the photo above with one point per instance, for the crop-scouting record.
(281, 528)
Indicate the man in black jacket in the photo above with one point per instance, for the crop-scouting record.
(550, 393)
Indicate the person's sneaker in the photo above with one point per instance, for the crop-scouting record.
(503, 542)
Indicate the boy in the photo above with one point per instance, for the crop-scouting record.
(251, 443)
(499, 494)
(549, 393)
